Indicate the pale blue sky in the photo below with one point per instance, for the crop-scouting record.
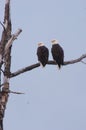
(53, 100)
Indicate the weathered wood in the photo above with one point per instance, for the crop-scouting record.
(7, 61)
(10, 41)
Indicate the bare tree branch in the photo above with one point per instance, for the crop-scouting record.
(76, 60)
(49, 63)
(24, 70)
(10, 41)
(12, 92)
(15, 92)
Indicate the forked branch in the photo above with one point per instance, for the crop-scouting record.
(10, 41)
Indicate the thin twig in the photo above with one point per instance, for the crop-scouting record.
(5, 91)
(15, 92)
(83, 62)
(2, 25)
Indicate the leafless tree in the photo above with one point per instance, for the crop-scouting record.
(6, 42)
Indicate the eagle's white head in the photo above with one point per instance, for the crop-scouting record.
(54, 41)
(40, 44)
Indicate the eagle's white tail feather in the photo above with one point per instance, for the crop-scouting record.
(41, 65)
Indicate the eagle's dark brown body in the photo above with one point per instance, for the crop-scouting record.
(43, 54)
(58, 54)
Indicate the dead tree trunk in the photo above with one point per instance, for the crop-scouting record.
(5, 59)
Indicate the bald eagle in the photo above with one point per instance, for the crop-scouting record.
(42, 54)
(57, 53)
